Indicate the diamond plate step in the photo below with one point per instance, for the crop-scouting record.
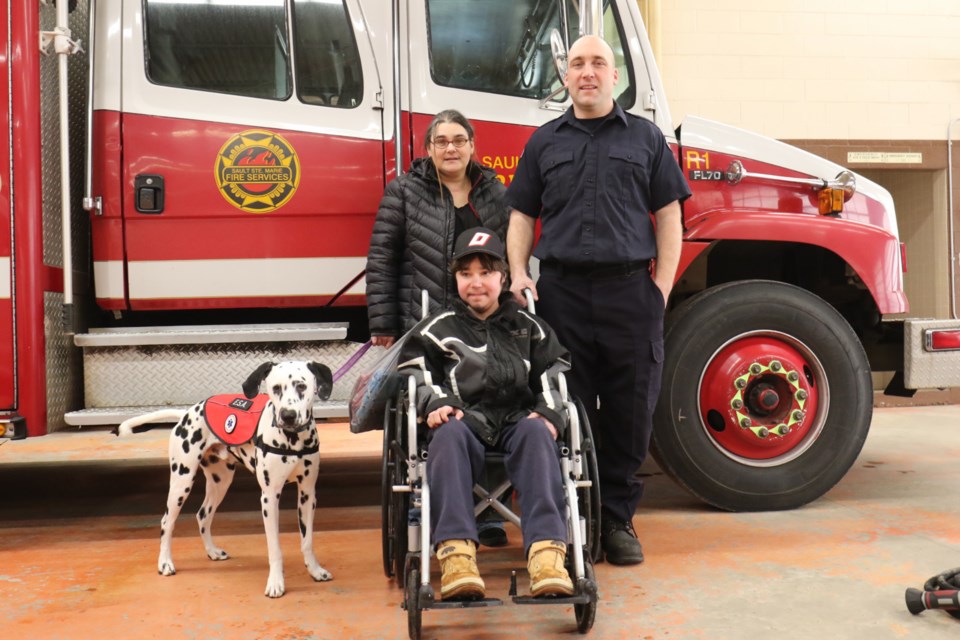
(116, 415)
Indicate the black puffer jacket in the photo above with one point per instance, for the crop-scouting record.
(496, 370)
(412, 242)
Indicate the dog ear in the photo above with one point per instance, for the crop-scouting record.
(324, 379)
(251, 386)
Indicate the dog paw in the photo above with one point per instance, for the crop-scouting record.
(274, 589)
(165, 568)
(217, 554)
(320, 574)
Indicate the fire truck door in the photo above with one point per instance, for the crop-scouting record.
(252, 139)
(7, 371)
(492, 60)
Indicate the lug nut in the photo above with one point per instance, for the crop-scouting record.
(801, 394)
(740, 383)
(745, 422)
(762, 432)
(792, 376)
(737, 403)
(783, 429)
(798, 415)
(775, 365)
(755, 368)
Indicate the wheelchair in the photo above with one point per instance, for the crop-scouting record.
(405, 503)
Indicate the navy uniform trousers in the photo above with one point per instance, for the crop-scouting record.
(611, 320)
(532, 459)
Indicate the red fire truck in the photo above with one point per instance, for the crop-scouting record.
(190, 186)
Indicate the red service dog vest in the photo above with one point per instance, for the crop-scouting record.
(234, 418)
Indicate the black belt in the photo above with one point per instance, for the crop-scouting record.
(606, 270)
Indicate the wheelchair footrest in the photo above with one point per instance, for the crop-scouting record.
(465, 604)
(580, 599)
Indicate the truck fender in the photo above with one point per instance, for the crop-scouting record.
(874, 254)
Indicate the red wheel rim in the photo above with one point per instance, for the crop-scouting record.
(762, 398)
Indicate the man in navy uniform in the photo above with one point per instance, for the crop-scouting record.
(593, 176)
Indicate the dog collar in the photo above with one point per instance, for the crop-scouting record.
(280, 451)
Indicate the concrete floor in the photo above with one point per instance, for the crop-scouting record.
(78, 550)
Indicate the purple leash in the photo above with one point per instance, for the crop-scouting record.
(352, 361)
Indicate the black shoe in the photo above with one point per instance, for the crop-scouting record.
(619, 541)
(492, 534)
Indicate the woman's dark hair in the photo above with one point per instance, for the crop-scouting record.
(445, 116)
(487, 261)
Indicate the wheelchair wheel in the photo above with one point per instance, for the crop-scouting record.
(393, 506)
(411, 602)
(587, 613)
(590, 496)
(388, 464)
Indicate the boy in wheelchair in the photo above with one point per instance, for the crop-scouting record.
(486, 373)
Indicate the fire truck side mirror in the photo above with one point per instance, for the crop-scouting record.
(148, 192)
(558, 49)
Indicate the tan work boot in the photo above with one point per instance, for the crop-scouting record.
(548, 576)
(460, 577)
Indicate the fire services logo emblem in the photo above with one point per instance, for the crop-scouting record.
(257, 171)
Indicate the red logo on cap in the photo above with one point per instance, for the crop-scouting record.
(479, 239)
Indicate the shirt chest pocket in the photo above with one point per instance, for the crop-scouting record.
(626, 179)
(558, 179)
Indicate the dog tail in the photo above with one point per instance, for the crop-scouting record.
(130, 425)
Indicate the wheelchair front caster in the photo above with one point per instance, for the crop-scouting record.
(411, 602)
(587, 585)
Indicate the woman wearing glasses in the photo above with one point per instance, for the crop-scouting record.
(421, 214)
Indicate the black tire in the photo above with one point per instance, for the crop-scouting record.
(698, 437)
(587, 613)
(401, 501)
(590, 496)
(411, 601)
(388, 464)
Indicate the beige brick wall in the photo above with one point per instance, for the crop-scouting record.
(828, 69)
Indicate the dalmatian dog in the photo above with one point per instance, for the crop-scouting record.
(284, 448)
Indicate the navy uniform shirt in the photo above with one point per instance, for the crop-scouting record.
(594, 186)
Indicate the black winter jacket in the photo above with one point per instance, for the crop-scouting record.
(412, 243)
(496, 370)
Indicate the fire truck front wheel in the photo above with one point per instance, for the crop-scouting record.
(766, 397)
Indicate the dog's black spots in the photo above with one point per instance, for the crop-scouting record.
(266, 499)
(303, 527)
(203, 530)
(278, 497)
(204, 462)
(283, 459)
(186, 446)
(180, 431)
(161, 533)
(173, 467)
(183, 470)
(231, 466)
(299, 479)
(180, 501)
(200, 456)
(215, 477)
(196, 437)
(187, 490)
(266, 478)
(307, 463)
(293, 438)
(202, 513)
(303, 498)
(306, 472)
(276, 444)
(264, 513)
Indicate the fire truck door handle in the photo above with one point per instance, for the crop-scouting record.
(148, 193)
